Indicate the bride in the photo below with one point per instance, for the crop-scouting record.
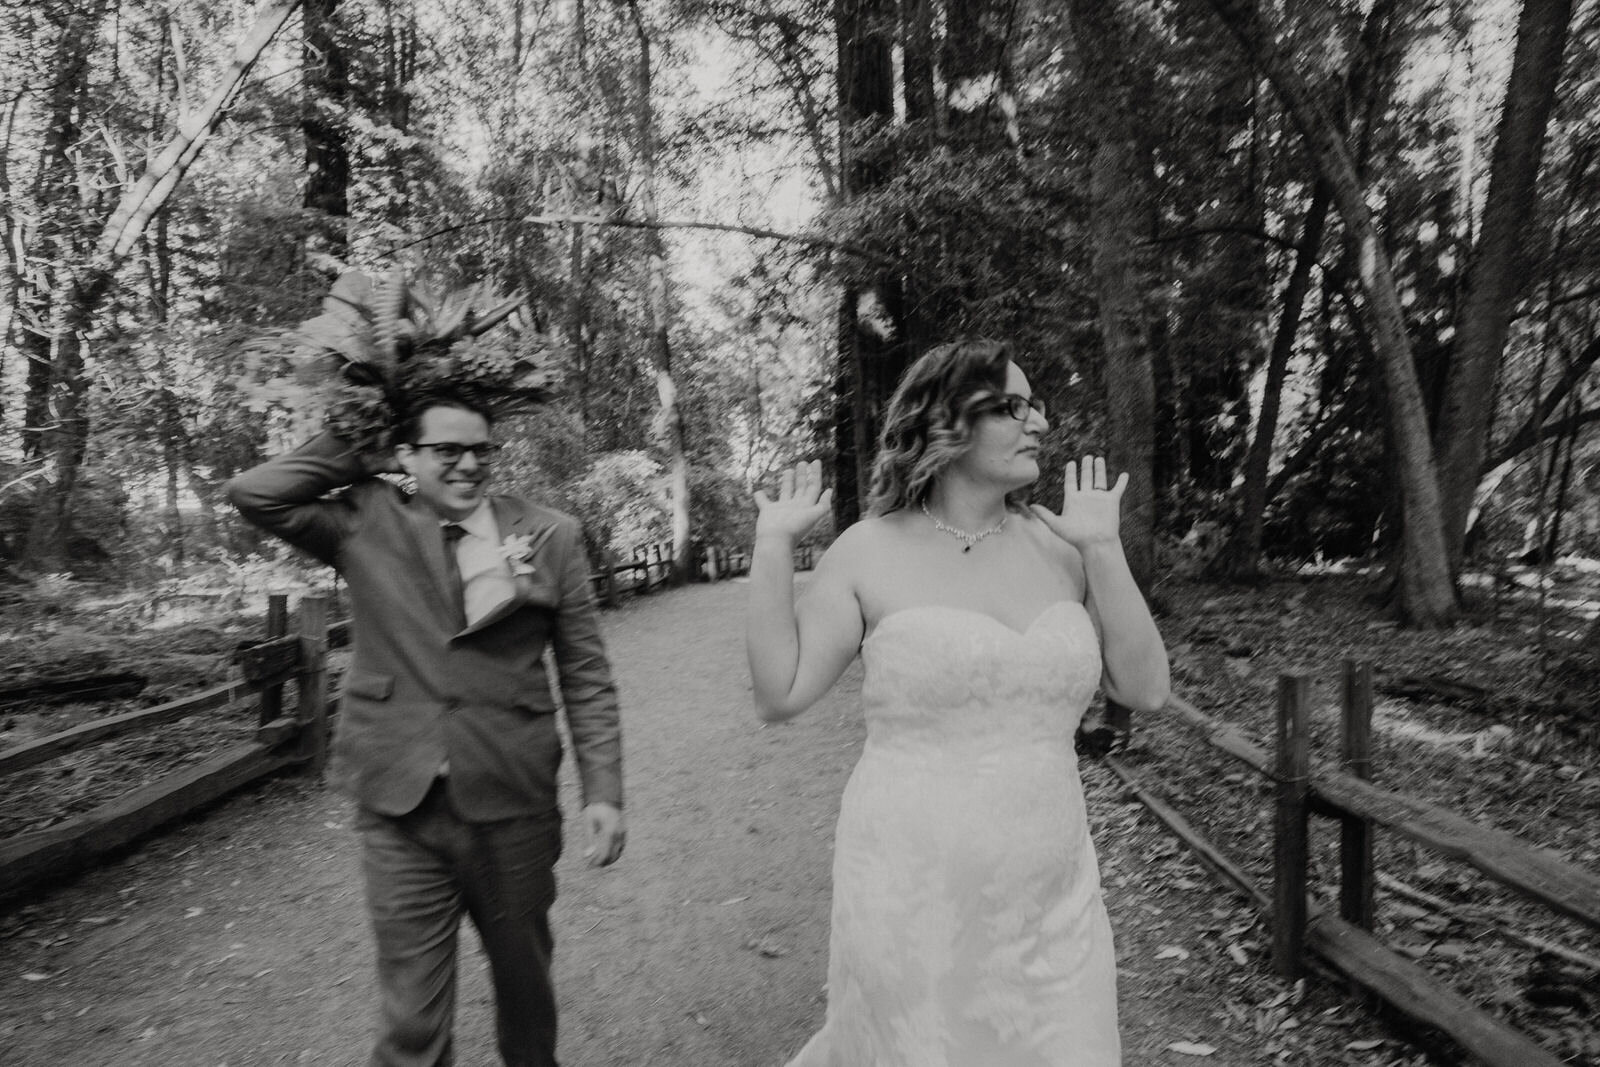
(968, 926)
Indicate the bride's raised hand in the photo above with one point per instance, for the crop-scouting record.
(1090, 512)
(801, 503)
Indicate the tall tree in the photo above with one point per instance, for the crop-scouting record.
(1496, 270)
(1368, 86)
(1121, 229)
(58, 238)
(658, 300)
(1426, 591)
(325, 71)
(871, 333)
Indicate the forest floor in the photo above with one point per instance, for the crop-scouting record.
(238, 937)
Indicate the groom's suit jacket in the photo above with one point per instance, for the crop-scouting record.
(423, 690)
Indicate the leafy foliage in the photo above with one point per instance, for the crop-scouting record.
(381, 347)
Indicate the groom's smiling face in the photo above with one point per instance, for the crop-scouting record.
(452, 490)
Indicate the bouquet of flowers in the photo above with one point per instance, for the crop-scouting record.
(379, 347)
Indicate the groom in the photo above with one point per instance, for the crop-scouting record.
(447, 730)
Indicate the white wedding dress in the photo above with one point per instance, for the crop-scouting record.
(968, 926)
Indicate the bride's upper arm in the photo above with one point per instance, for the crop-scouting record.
(828, 620)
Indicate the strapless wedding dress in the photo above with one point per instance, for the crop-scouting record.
(968, 926)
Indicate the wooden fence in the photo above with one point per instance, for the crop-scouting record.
(1345, 941)
(650, 567)
(281, 739)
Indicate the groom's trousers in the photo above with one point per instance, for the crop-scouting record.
(423, 870)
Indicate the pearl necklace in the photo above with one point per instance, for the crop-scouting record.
(962, 535)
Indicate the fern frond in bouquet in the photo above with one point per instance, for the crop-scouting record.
(380, 346)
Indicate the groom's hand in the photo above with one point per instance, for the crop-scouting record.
(606, 833)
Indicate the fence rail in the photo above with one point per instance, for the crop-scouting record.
(30, 860)
(1344, 941)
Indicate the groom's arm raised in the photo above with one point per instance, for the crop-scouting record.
(285, 494)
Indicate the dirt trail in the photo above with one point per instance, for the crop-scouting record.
(238, 938)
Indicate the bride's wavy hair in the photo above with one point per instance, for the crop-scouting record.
(929, 420)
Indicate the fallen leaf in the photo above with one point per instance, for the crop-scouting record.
(35, 976)
(1172, 952)
(1366, 1045)
(1191, 1048)
(1238, 956)
(770, 949)
(194, 913)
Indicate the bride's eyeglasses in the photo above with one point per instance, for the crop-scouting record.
(1017, 406)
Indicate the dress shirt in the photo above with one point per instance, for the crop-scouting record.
(486, 580)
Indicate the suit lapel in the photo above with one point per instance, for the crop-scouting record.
(513, 520)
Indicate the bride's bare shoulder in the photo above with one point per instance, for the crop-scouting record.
(869, 539)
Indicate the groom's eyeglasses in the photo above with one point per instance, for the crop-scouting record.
(1018, 406)
(450, 452)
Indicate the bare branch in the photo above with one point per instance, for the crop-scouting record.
(621, 222)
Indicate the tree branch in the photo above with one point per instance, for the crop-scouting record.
(622, 222)
(162, 176)
(1527, 438)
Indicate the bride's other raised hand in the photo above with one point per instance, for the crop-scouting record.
(801, 503)
(1090, 512)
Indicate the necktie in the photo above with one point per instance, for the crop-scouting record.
(453, 533)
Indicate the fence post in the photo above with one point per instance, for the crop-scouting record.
(1355, 834)
(608, 577)
(312, 683)
(1289, 853)
(271, 703)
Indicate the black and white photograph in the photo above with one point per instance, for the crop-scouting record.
(781, 533)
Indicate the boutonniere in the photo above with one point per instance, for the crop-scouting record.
(518, 551)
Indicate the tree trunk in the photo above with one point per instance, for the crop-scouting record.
(1121, 225)
(1427, 595)
(1496, 270)
(11, 250)
(399, 66)
(916, 37)
(658, 301)
(60, 235)
(871, 331)
(1241, 556)
(1119, 230)
(326, 73)
(174, 441)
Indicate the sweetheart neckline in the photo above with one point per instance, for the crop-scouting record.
(1024, 632)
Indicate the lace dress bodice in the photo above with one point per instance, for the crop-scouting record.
(948, 678)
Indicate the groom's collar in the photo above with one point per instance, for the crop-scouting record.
(480, 523)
